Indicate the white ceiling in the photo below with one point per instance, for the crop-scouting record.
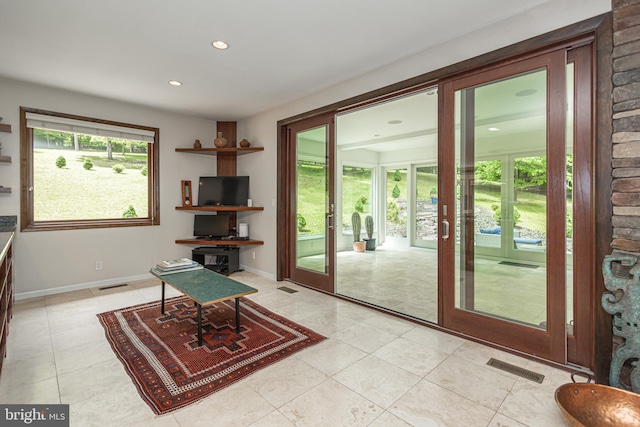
(280, 50)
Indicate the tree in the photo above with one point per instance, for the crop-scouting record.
(397, 176)
(396, 191)
(109, 149)
(528, 172)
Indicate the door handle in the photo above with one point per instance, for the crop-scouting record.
(445, 229)
(330, 221)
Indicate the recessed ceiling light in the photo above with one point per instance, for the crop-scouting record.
(395, 122)
(376, 135)
(219, 44)
(493, 129)
(175, 83)
(526, 92)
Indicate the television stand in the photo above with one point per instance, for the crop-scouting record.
(227, 258)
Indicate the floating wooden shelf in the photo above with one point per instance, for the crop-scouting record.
(5, 189)
(5, 128)
(219, 208)
(216, 151)
(203, 242)
(5, 159)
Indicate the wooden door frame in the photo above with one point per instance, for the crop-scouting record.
(551, 343)
(286, 175)
(599, 28)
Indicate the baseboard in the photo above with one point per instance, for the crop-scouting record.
(107, 282)
(80, 286)
(257, 272)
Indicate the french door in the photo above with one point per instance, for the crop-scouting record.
(512, 136)
(311, 205)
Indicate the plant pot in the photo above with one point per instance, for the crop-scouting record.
(359, 246)
(370, 244)
(434, 200)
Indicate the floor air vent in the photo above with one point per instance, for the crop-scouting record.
(289, 290)
(106, 288)
(516, 370)
(518, 264)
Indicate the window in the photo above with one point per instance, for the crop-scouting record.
(80, 172)
(357, 195)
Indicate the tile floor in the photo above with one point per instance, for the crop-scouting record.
(374, 370)
(405, 280)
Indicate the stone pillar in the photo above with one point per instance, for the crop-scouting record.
(626, 126)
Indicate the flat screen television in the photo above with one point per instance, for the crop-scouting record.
(210, 226)
(223, 191)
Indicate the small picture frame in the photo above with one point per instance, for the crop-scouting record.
(187, 195)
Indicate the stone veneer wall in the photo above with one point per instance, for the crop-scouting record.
(626, 126)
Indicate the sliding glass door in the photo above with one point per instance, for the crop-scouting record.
(509, 174)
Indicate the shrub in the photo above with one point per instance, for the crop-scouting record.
(361, 203)
(61, 162)
(396, 191)
(118, 168)
(144, 171)
(433, 191)
(88, 164)
(393, 211)
(569, 225)
(302, 223)
(497, 213)
(397, 176)
(130, 213)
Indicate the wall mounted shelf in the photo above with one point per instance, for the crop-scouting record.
(215, 151)
(5, 128)
(203, 242)
(219, 208)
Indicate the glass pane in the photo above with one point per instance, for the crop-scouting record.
(397, 203)
(311, 200)
(109, 177)
(426, 218)
(357, 187)
(500, 150)
(569, 172)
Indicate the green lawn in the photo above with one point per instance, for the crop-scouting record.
(311, 203)
(72, 192)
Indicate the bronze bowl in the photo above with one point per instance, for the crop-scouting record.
(587, 405)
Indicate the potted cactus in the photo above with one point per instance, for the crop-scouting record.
(356, 222)
(370, 241)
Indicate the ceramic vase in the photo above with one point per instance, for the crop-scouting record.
(220, 141)
(244, 143)
(197, 144)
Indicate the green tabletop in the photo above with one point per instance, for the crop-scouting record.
(205, 286)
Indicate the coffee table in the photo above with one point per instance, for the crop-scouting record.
(205, 287)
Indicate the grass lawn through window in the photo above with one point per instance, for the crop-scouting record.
(74, 193)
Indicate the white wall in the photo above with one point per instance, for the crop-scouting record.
(262, 128)
(52, 261)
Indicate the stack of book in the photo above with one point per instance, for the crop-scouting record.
(176, 266)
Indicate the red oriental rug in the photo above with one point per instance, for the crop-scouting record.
(161, 355)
